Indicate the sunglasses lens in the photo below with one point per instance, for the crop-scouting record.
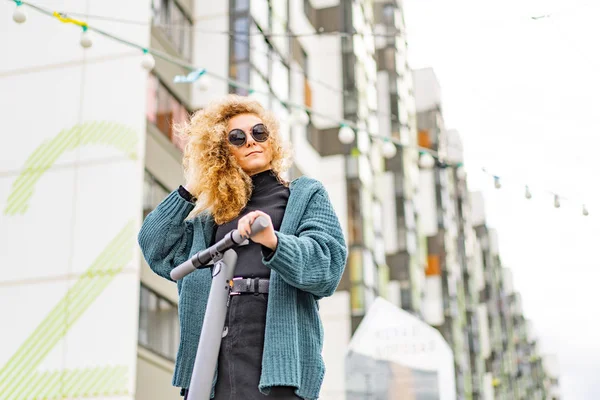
(237, 137)
(260, 133)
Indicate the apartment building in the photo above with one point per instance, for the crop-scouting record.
(337, 76)
(78, 179)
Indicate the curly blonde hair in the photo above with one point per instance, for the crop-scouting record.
(215, 177)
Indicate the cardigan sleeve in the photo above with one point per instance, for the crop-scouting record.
(165, 237)
(313, 260)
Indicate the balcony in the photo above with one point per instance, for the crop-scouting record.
(326, 142)
(327, 19)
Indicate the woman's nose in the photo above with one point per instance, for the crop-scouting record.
(250, 140)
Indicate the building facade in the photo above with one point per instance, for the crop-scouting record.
(78, 180)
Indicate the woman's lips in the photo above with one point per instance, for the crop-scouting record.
(254, 152)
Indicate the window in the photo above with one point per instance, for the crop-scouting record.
(154, 192)
(158, 324)
(241, 49)
(355, 219)
(239, 45)
(164, 110)
(176, 25)
(242, 5)
(388, 14)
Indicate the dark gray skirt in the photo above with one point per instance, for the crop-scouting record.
(240, 357)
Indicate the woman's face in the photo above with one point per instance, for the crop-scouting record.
(252, 156)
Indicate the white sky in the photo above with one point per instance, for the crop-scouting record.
(523, 93)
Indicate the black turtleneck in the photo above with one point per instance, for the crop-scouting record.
(270, 197)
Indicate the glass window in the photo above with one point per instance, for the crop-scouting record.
(241, 47)
(355, 221)
(349, 65)
(164, 110)
(355, 263)
(151, 98)
(357, 299)
(177, 26)
(241, 5)
(388, 14)
(180, 116)
(158, 324)
(240, 72)
(154, 192)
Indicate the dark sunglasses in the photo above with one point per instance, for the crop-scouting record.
(237, 137)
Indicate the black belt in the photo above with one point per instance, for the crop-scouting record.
(249, 285)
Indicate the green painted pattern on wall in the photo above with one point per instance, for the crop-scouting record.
(19, 378)
(79, 383)
(16, 374)
(43, 158)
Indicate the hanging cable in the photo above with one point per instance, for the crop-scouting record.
(428, 157)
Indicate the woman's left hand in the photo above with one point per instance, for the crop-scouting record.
(266, 237)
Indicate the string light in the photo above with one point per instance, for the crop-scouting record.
(299, 117)
(388, 149)
(584, 211)
(19, 15)
(557, 198)
(204, 83)
(497, 183)
(428, 157)
(235, 35)
(319, 31)
(85, 41)
(148, 61)
(556, 201)
(426, 161)
(346, 134)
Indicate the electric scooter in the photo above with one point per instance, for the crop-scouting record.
(223, 259)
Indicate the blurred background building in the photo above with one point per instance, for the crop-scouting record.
(417, 237)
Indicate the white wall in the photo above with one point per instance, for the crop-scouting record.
(70, 203)
(426, 203)
(335, 313)
(477, 208)
(154, 377)
(211, 50)
(427, 89)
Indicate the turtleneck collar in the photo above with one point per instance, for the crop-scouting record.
(264, 179)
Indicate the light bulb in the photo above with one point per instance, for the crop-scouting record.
(497, 183)
(299, 117)
(346, 134)
(203, 83)
(426, 161)
(86, 40)
(389, 149)
(148, 62)
(19, 15)
(556, 201)
(585, 211)
(527, 192)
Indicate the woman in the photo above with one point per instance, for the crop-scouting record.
(273, 335)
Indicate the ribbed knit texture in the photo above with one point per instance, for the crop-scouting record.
(307, 265)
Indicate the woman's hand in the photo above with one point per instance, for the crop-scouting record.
(267, 237)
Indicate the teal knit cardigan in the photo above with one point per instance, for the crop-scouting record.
(306, 266)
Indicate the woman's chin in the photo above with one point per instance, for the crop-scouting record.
(255, 168)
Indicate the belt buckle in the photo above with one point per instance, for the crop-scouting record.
(231, 292)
